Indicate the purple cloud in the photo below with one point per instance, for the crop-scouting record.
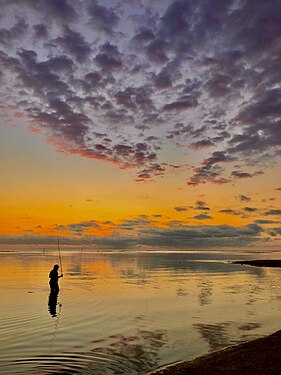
(102, 18)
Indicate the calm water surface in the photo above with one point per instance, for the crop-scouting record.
(129, 313)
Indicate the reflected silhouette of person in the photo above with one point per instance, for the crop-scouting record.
(54, 278)
(52, 303)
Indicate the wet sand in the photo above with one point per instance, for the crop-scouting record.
(257, 357)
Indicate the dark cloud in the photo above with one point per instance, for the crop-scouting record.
(108, 58)
(15, 32)
(181, 208)
(154, 169)
(202, 236)
(264, 106)
(262, 221)
(53, 10)
(59, 10)
(219, 85)
(163, 81)
(156, 51)
(175, 20)
(143, 36)
(183, 103)
(201, 205)
(135, 224)
(275, 231)
(204, 175)
(78, 229)
(210, 171)
(184, 238)
(257, 137)
(92, 81)
(40, 31)
(272, 213)
(218, 157)
(135, 98)
(63, 122)
(180, 130)
(102, 18)
(239, 174)
(250, 209)
(74, 43)
(59, 64)
(268, 32)
(202, 217)
(151, 138)
(41, 77)
(230, 212)
(203, 143)
(138, 154)
(9, 63)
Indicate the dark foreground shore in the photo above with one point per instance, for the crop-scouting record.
(258, 357)
(260, 263)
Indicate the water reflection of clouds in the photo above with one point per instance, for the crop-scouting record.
(249, 326)
(81, 263)
(205, 292)
(132, 277)
(214, 334)
(159, 269)
(181, 263)
(125, 354)
(220, 335)
(141, 350)
(182, 292)
(175, 262)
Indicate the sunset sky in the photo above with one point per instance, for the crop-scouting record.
(148, 124)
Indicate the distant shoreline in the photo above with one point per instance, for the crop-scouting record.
(257, 357)
(260, 263)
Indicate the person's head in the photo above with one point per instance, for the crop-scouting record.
(56, 267)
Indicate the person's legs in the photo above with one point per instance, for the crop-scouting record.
(54, 287)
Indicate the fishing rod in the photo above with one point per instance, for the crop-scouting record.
(59, 254)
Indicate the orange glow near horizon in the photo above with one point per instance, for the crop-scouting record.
(40, 195)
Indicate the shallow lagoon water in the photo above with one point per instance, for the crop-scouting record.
(129, 313)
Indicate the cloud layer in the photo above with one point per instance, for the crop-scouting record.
(152, 237)
(126, 82)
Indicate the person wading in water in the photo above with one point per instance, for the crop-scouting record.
(54, 278)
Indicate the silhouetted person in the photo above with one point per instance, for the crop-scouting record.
(52, 304)
(54, 278)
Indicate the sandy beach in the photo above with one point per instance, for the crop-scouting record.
(257, 357)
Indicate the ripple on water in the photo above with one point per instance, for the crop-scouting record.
(17, 330)
(96, 362)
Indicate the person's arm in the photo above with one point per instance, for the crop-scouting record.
(61, 275)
